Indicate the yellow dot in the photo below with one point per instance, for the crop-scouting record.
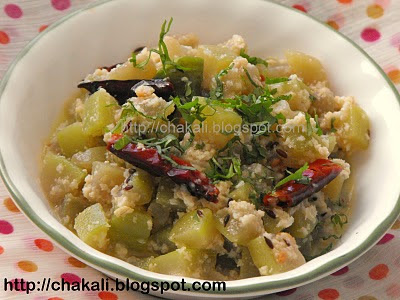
(396, 225)
(9, 204)
(375, 11)
(367, 298)
(27, 266)
(76, 263)
(333, 24)
(394, 75)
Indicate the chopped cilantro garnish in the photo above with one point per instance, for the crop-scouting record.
(122, 142)
(331, 236)
(188, 87)
(309, 127)
(256, 200)
(281, 116)
(339, 219)
(224, 169)
(200, 146)
(333, 129)
(163, 145)
(297, 176)
(162, 51)
(319, 130)
(312, 97)
(276, 80)
(253, 60)
(191, 111)
(251, 79)
(218, 91)
(129, 110)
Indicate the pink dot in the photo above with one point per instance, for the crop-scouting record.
(61, 4)
(13, 11)
(370, 34)
(5, 227)
(341, 271)
(387, 238)
(393, 291)
(286, 293)
(395, 40)
(18, 285)
(300, 7)
(353, 282)
(383, 3)
(69, 277)
(397, 262)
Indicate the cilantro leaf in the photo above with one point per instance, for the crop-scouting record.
(162, 51)
(276, 80)
(226, 169)
(251, 79)
(122, 142)
(331, 236)
(319, 130)
(218, 91)
(333, 129)
(253, 60)
(298, 175)
(339, 219)
(309, 127)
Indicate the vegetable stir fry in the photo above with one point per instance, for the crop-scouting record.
(206, 161)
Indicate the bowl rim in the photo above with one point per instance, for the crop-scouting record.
(110, 266)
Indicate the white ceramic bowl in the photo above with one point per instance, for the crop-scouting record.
(46, 72)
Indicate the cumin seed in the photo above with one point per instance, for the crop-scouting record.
(226, 219)
(281, 153)
(271, 214)
(269, 242)
(128, 187)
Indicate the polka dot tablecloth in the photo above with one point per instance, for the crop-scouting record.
(26, 253)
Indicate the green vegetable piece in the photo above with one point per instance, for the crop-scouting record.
(233, 230)
(247, 267)
(105, 176)
(194, 73)
(299, 91)
(91, 226)
(72, 139)
(334, 189)
(263, 256)
(162, 241)
(140, 262)
(70, 208)
(160, 215)
(184, 262)
(99, 112)
(59, 177)
(242, 192)
(272, 218)
(196, 229)
(353, 130)
(142, 190)
(86, 158)
(132, 229)
(302, 226)
(165, 196)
